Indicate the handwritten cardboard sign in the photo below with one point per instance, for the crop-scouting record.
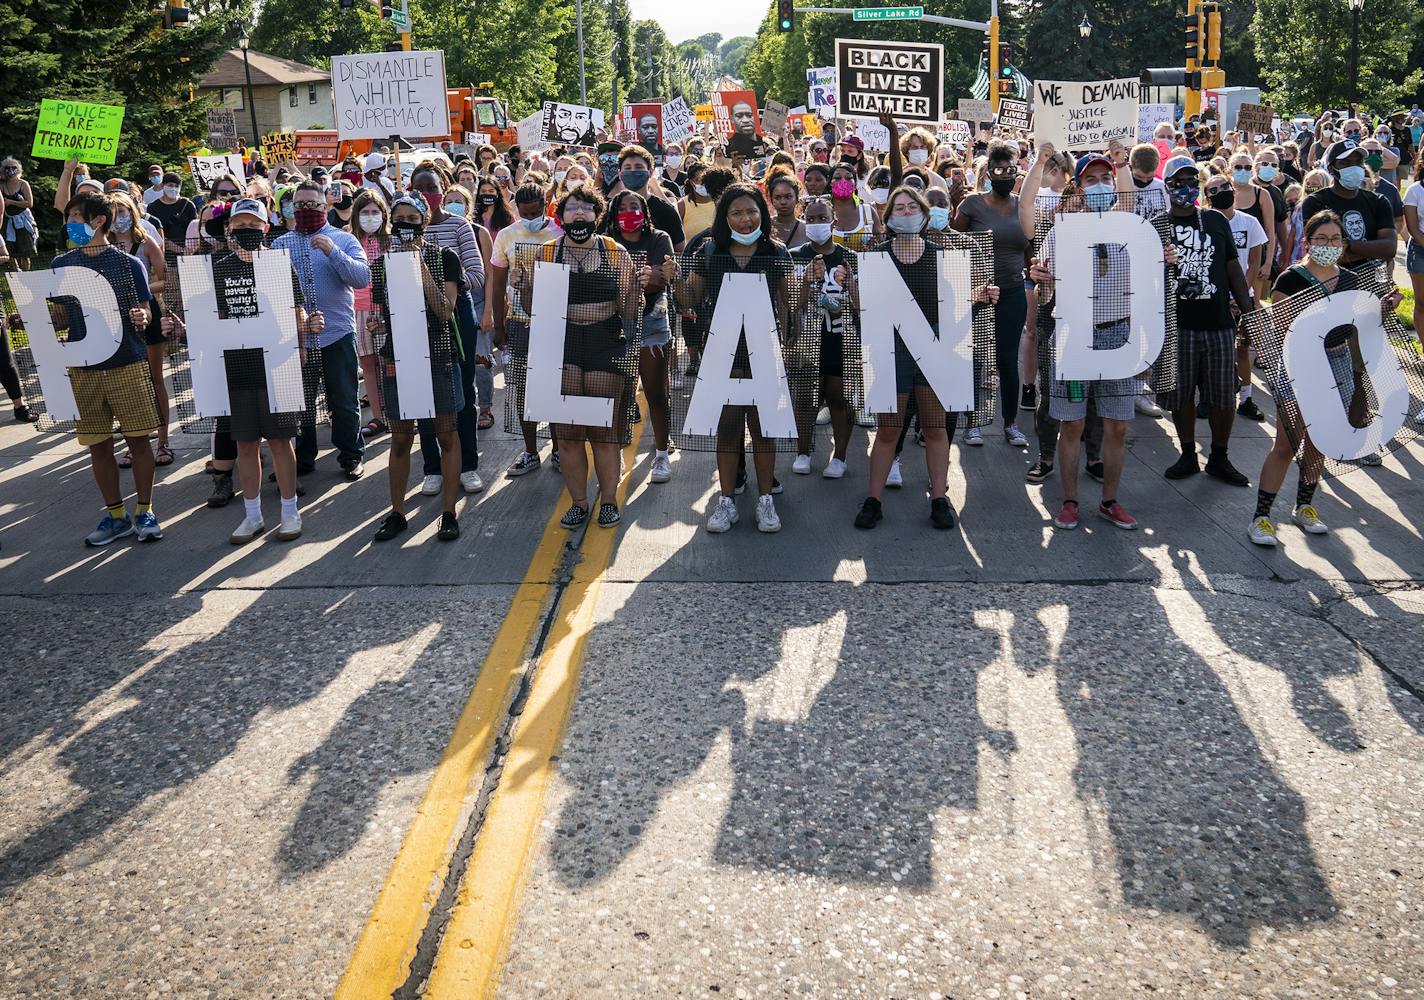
(78, 129)
(382, 94)
(1085, 116)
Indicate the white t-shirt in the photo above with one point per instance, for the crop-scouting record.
(1152, 199)
(152, 194)
(1415, 196)
(1248, 234)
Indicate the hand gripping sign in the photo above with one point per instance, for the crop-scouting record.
(103, 326)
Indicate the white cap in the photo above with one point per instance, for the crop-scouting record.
(374, 161)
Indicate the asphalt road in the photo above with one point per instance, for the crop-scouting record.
(1001, 761)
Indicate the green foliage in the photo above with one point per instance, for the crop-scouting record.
(1126, 39)
(653, 62)
(734, 52)
(1305, 52)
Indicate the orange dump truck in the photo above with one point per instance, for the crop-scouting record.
(472, 109)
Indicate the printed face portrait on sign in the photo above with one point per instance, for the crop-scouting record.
(648, 126)
(571, 124)
(737, 119)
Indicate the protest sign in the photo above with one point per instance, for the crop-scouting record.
(811, 124)
(1254, 119)
(1079, 115)
(382, 94)
(875, 136)
(1013, 113)
(953, 131)
(646, 126)
(737, 120)
(903, 78)
(530, 132)
(222, 128)
(976, 111)
(678, 121)
(279, 147)
(79, 129)
(1149, 116)
(821, 88)
(571, 124)
(773, 119)
(477, 139)
(705, 113)
(206, 168)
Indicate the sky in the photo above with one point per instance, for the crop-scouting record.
(684, 19)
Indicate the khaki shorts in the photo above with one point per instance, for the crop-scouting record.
(124, 394)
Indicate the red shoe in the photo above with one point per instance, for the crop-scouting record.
(1118, 515)
(1067, 517)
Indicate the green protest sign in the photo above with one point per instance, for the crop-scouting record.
(78, 129)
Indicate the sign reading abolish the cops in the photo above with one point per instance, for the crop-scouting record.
(903, 78)
(87, 132)
(381, 94)
(1085, 115)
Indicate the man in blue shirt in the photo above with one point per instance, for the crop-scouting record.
(330, 264)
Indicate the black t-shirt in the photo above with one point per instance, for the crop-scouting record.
(444, 265)
(235, 287)
(1205, 247)
(126, 277)
(1364, 216)
(173, 219)
(665, 217)
(1292, 281)
(838, 256)
(673, 187)
(656, 247)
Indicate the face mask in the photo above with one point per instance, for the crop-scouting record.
(1241, 175)
(635, 180)
(155, 180)
(172, 191)
(1355, 135)
(370, 222)
(630, 222)
(79, 233)
(1002, 188)
(673, 160)
(907, 224)
(747, 239)
(609, 170)
(1183, 195)
(353, 177)
(1100, 197)
(700, 191)
(488, 200)
(1375, 161)
(123, 223)
(939, 217)
(247, 239)
(818, 232)
(842, 189)
(408, 232)
(1222, 200)
(534, 225)
(457, 208)
(877, 196)
(579, 230)
(1139, 182)
(309, 219)
(559, 176)
(1326, 256)
(432, 199)
(288, 211)
(1352, 177)
(1267, 173)
(919, 157)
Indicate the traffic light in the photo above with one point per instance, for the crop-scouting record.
(348, 4)
(1005, 83)
(175, 16)
(785, 15)
(1194, 38)
(1213, 34)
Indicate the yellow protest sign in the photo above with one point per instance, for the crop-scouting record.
(705, 113)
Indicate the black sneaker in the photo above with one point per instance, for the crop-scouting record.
(1183, 467)
(1095, 470)
(354, 472)
(222, 490)
(1250, 410)
(1220, 467)
(392, 526)
(776, 487)
(1040, 472)
(25, 415)
(870, 514)
(941, 513)
(608, 515)
(449, 527)
(741, 480)
(574, 517)
(1028, 398)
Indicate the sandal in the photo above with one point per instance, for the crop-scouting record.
(486, 420)
(163, 456)
(374, 427)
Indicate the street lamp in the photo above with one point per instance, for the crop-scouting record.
(242, 42)
(1355, 7)
(1085, 27)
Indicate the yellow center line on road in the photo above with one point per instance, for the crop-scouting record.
(483, 918)
(382, 958)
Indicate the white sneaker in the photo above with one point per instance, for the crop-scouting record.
(895, 479)
(802, 465)
(1262, 532)
(823, 416)
(1308, 520)
(974, 437)
(470, 481)
(1146, 406)
(430, 485)
(290, 528)
(834, 469)
(865, 419)
(247, 531)
(723, 516)
(662, 469)
(1015, 437)
(766, 518)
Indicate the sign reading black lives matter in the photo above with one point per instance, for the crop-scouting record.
(381, 94)
(903, 78)
(1014, 113)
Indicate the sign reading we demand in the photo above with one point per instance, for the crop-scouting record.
(381, 94)
(903, 78)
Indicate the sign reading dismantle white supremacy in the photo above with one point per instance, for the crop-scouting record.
(381, 94)
(1085, 115)
(903, 78)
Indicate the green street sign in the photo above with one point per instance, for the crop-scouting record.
(399, 18)
(889, 13)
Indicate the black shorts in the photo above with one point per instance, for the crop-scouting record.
(597, 347)
(252, 418)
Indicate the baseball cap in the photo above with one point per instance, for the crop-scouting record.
(1084, 162)
(318, 173)
(1338, 150)
(374, 161)
(1178, 163)
(248, 206)
(88, 182)
(155, 166)
(854, 140)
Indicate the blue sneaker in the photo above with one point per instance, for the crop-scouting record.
(146, 525)
(110, 528)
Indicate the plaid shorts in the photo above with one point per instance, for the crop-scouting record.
(102, 396)
(1206, 360)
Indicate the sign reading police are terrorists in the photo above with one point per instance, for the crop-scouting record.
(381, 94)
(903, 78)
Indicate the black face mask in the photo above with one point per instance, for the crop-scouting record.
(248, 239)
(488, 200)
(344, 205)
(1001, 187)
(407, 231)
(1222, 200)
(1142, 184)
(579, 230)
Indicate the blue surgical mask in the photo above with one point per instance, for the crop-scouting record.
(907, 225)
(79, 233)
(1241, 175)
(939, 217)
(457, 208)
(289, 211)
(699, 190)
(534, 225)
(1267, 173)
(1351, 178)
(747, 239)
(1100, 197)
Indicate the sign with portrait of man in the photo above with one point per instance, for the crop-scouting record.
(648, 127)
(571, 124)
(738, 122)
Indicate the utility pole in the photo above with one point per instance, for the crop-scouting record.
(583, 83)
(994, 55)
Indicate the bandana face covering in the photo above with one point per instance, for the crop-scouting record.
(309, 219)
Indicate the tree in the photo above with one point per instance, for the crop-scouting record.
(734, 52)
(653, 62)
(1304, 50)
(1126, 39)
(311, 32)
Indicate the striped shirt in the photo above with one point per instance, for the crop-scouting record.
(456, 233)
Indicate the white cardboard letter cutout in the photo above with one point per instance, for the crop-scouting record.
(544, 397)
(410, 338)
(103, 328)
(273, 329)
(1307, 367)
(886, 306)
(1074, 267)
(744, 303)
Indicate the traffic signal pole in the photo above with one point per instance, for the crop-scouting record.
(994, 57)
